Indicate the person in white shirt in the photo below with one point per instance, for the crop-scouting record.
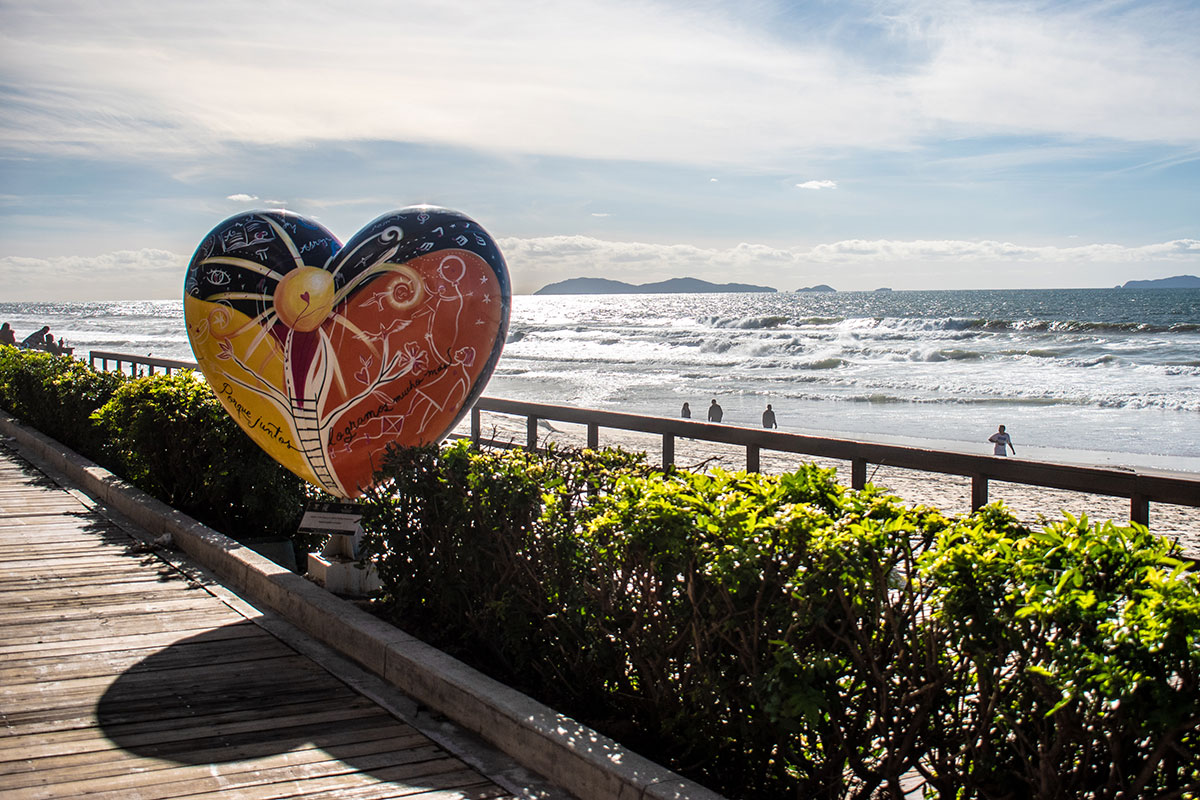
(1001, 440)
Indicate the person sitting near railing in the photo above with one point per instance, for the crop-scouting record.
(37, 339)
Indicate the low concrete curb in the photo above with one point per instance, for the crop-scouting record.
(577, 758)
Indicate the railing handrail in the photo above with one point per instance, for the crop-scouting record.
(1139, 485)
(149, 361)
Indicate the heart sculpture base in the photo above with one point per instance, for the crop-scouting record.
(327, 355)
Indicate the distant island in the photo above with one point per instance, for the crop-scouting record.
(820, 287)
(1178, 282)
(672, 286)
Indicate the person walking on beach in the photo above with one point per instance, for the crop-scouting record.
(715, 412)
(1001, 439)
(769, 418)
(686, 411)
(6, 335)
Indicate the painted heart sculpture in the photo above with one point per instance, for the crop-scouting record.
(326, 354)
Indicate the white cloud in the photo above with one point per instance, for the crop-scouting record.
(242, 198)
(600, 214)
(817, 185)
(857, 250)
(138, 77)
(121, 275)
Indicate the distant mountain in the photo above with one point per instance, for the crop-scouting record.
(1178, 282)
(820, 287)
(672, 286)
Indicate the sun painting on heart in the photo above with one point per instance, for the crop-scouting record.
(327, 354)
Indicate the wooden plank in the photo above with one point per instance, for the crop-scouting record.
(95, 759)
(139, 604)
(265, 670)
(71, 631)
(72, 648)
(53, 667)
(68, 735)
(84, 586)
(420, 767)
(95, 765)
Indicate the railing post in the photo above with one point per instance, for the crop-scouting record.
(593, 436)
(979, 492)
(1139, 510)
(858, 473)
(475, 425)
(668, 451)
(531, 433)
(752, 458)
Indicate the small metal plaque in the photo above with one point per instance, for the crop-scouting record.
(334, 518)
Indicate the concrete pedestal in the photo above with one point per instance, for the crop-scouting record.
(344, 575)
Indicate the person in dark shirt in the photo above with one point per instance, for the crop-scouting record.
(686, 411)
(6, 334)
(37, 338)
(715, 412)
(769, 418)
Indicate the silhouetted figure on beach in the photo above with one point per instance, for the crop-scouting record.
(769, 418)
(686, 411)
(8, 337)
(714, 412)
(37, 339)
(1001, 440)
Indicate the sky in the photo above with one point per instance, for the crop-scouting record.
(913, 144)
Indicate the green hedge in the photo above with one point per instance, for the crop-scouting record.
(56, 395)
(781, 636)
(171, 437)
(168, 435)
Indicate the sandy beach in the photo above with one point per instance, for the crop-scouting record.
(949, 493)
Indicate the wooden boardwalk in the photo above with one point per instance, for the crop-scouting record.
(123, 677)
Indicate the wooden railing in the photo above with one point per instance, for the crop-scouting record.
(135, 363)
(1141, 486)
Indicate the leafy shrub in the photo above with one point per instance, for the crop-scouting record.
(486, 539)
(56, 395)
(166, 434)
(170, 436)
(1074, 661)
(780, 636)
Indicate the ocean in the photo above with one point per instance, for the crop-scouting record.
(1090, 376)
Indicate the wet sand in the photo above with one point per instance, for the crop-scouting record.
(949, 493)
